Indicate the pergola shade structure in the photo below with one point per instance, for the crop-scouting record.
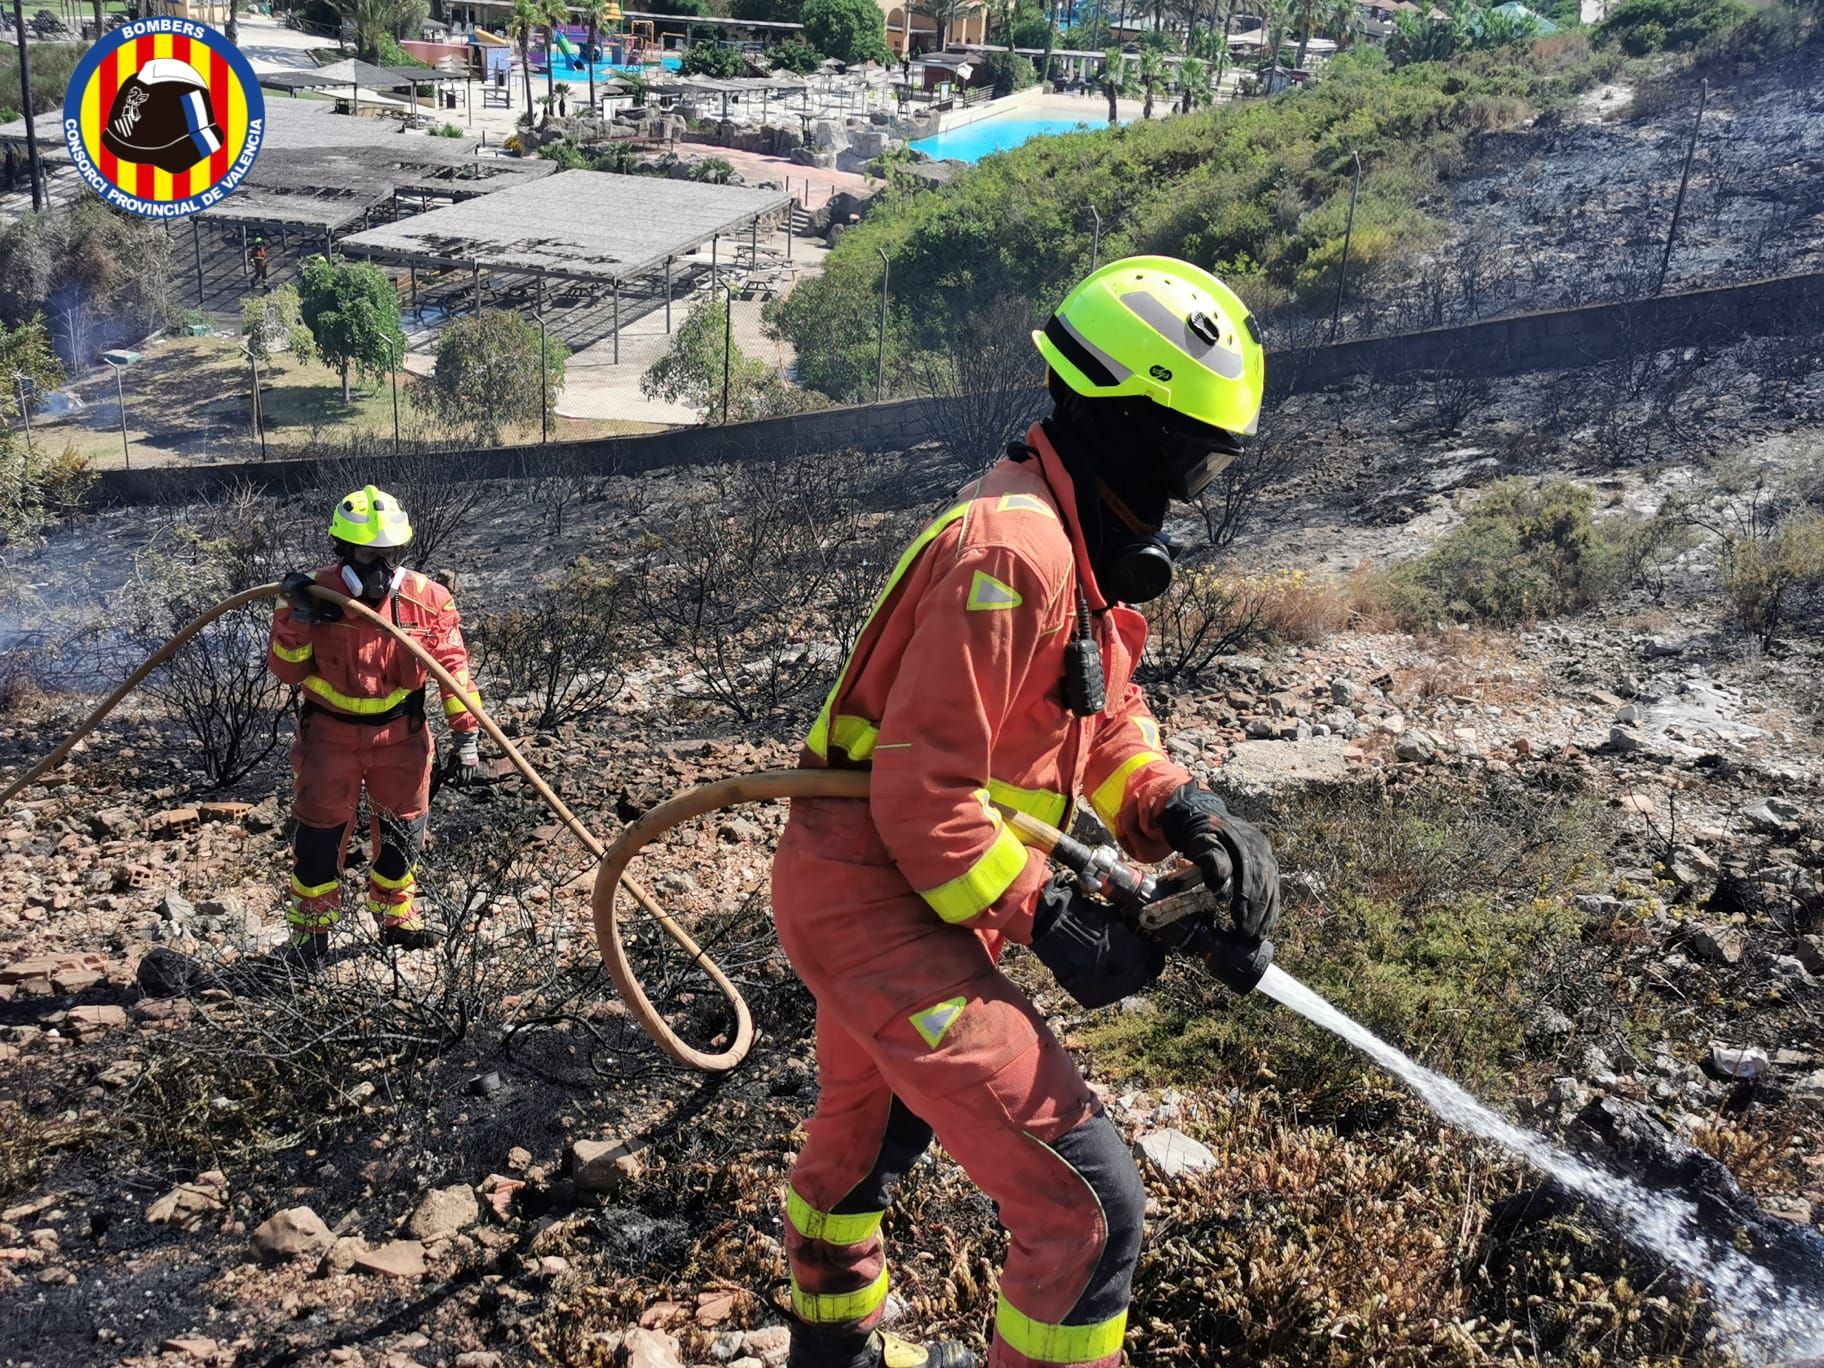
(607, 241)
(576, 225)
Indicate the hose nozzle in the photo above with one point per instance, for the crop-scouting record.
(1238, 961)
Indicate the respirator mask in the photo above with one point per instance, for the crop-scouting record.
(371, 582)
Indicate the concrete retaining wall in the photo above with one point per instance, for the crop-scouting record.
(1562, 339)
(1566, 338)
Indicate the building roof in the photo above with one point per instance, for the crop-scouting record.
(352, 71)
(579, 225)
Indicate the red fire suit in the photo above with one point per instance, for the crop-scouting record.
(362, 722)
(894, 913)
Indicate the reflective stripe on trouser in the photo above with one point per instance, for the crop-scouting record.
(331, 762)
(916, 1010)
(837, 1260)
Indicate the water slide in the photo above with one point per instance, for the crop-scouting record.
(564, 45)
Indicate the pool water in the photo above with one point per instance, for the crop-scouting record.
(566, 70)
(974, 141)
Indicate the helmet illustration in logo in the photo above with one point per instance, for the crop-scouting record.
(162, 116)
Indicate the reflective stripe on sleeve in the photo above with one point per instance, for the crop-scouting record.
(1111, 793)
(1061, 1344)
(826, 1308)
(297, 656)
(322, 688)
(828, 727)
(975, 890)
(458, 703)
(828, 1226)
(1047, 806)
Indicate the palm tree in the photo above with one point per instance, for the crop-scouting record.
(1152, 78)
(551, 13)
(521, 25)
(944, 13)
(1233, 8)
(1114, 80)
(1194, 76)
(595, 13)
(233, 32)
(1307, 9)
(1341, 19)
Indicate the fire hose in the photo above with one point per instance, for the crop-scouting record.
(1163, 910)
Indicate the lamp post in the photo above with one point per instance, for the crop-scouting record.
(1342, 271)
(398, 360)
(544, 403)
(25, 411)
(880, 354)
(120, 360)
(253, 412)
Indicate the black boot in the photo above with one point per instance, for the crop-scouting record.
(831, 1347)
(408, 937)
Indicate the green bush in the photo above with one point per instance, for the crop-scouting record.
(1257, 190)
(448, 130)
(795, 55)
(851, 31)
(1010, 73)
(1763, 575)
(1643, 26)
(52, 66)
(1431, 919)
(1525, 551)
(712, 59)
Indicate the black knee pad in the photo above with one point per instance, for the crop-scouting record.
(317, 852)
(1097, 1152)
(401, 840)
(905, 1138)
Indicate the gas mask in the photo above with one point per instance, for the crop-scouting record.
(1132, 558)
(371, 582)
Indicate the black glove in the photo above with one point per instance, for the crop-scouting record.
(305, 606)
(1094, 957)
(1233, 857)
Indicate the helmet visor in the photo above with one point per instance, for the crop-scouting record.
(1192, 459)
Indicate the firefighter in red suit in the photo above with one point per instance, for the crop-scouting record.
(362, 721)
(996, 671)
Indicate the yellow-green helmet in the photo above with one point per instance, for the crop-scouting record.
(371, 517)
(1160, 329)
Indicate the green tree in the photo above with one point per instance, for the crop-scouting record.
(551, 13)
(768, 11)
(352, 311)
(100, 278)
(594, 13)
(1152, 79)
(1194, 76)
(692, 371)
(1643, 26)
(851, 31)
(945, 14)
(375, 20)
(522, 24)
(1113, 80)
(274, 323)
(30, 478)
(487, 374)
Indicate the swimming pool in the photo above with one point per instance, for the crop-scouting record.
(578, 72)
(974, 141)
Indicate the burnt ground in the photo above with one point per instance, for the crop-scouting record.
(1598, 828)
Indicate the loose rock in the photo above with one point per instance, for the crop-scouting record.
(291, 1234)
(444, 1211)
(1173, 1154)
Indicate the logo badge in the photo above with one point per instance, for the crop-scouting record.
(163, 118)
(1159, 373)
